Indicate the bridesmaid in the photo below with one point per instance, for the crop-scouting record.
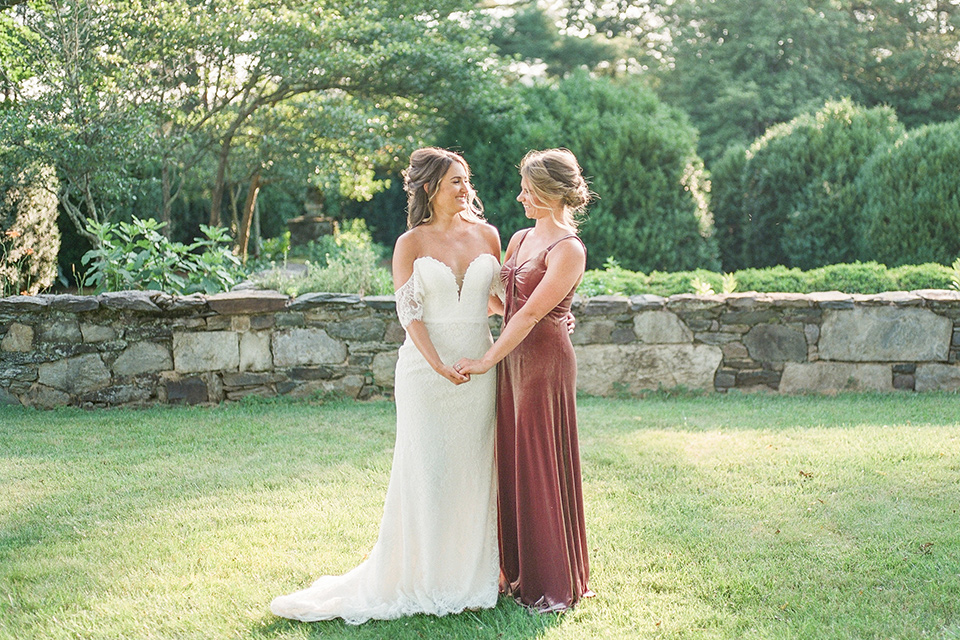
(543, 545)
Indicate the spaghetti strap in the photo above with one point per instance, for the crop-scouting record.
(526, 232)
(572, 235)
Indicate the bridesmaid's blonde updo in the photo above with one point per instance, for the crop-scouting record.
(555, 175)
(427, 167)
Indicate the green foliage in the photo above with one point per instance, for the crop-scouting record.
(800, 205)
(911, 197)
(29, 236)
(918, 74)
(652, 207)
(347, 262)
(857, 277)
(741, 67)
(738, 68)
(726, 202)
(143, 105)
(135, 255)
(779, 278)
(612, 279)
(869, 277)
(533, 32)
(931, 275)
(668, 283)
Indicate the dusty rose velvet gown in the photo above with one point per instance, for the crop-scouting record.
(543, 545)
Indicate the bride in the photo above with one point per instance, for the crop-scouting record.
(437, 549)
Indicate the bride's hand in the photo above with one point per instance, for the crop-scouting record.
(571, 322)
(453, 375)
(468, 366)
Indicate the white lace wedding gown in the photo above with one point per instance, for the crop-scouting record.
(437, 550)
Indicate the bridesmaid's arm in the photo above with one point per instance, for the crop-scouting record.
(565, 265)
(404, 253)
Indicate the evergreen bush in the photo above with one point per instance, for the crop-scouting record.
(866, 278)
(869, 277)
(930, 275)
(911, 194)
(639, 154)
(726, 201)
(29, 236)
(801, 205)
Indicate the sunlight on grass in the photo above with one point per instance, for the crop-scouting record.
(708, 517)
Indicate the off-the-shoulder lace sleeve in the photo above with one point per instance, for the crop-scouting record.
(496, 287)
(409, 299)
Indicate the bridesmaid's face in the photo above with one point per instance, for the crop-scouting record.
(453, 192)
(533, 207)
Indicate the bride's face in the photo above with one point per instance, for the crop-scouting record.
(453, 192)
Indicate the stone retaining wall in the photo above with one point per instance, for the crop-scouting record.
(137, 347)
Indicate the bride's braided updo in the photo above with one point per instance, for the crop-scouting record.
(555, 174)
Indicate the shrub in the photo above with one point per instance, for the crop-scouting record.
(667, 284)
(870, 277)
(777, 279)
(912, 197)
(135, 255)
(29, 236)
(612, 280)
(640, 155)
(910, 277)
(350, 262)
(801, 204)
(857, 277)
(726, 199)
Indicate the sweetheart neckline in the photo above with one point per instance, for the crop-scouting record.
(453, 273)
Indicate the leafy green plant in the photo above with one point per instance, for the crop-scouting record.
(346, 262)
(955, 276)
(135, 255)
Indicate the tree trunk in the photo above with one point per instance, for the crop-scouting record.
(243, 235)
(166, 214)
(76, 217)
(216, 197)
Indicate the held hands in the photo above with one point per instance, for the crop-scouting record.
(470, 367)
(452, 374)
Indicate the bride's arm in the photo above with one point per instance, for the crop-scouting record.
(404, 253)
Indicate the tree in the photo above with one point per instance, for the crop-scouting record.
(910, 58)
(29, 238)
(911, 196)
(652, 207)
(740, 67)
(81, 121)
(800, 206)
(175, 85)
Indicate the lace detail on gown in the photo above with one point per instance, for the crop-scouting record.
(437, 548)
(409, 299)
(497, 288)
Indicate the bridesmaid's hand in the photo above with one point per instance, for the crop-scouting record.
(452, 374)
(571, 322)
(469, 367)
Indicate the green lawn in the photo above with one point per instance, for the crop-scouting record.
(708, 517)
